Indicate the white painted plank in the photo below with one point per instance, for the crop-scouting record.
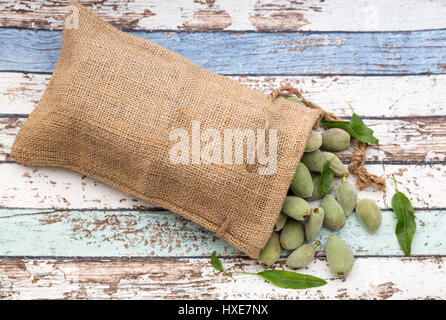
(44, 187)
(32, 187)
(316, 15)
(371, 278)
(20, 93)
(388, 96)
(370, 96)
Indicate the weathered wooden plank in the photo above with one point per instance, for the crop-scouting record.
(260, 53)
(411, 140)
(47, 187)
(33, 232)
(371, 96)
(371, 278)
(20, 92)
(314, 15)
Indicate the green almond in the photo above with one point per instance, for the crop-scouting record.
(334, 216)
(314, 142)
(339, 256)
(296, 208)
(314, 224)
(316, 195)
(335, 164)
(271, 252)
(369, 215)
(335, 139)
(314, 161)
(302, 183)
(301, 257)
(347, 196)
(280, 222)
(292, 235)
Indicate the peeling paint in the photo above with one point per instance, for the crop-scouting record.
(155, 14)
(208, 20)
(284, 21)
(195, 279)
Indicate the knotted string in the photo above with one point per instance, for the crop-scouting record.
(358, 160)
(356, 166)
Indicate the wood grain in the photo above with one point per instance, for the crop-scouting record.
(350, 15)
(47, 187)
(371, 278)
(111, 233)
(405, 141)
(384, 97)
(130, 249)
(259, 53)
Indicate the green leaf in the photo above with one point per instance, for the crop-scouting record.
(355, 127)
(364, 133)
(289, 279)
(327, 178)
(406, 225)
(217, 264)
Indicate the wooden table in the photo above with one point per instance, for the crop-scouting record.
(63, 235)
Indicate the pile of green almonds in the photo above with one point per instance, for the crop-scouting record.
(298, 222)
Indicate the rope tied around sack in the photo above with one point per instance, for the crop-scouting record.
(358, 160)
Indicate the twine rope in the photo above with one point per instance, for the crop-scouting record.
(363, 178)
(358, 160)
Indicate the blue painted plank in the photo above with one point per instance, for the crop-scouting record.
(260, 53)
(161, 233)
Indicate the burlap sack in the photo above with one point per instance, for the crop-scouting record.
(109, 109)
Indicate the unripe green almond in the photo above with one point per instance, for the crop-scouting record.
(314, 160)
(347, 196)
(294, 99)
(271, 252)
(316, 194)
(292, 235)
(335, 139)
(314, 223)
(339, 256)
(334, 216)
(335, 164)
(302, 183)
(296, 208)
(369, 215)
(301, 257)
(280, 222)
(314, 142)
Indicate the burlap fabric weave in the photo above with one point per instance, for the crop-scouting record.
(110, 106)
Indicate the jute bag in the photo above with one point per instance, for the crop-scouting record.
(109, 110)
